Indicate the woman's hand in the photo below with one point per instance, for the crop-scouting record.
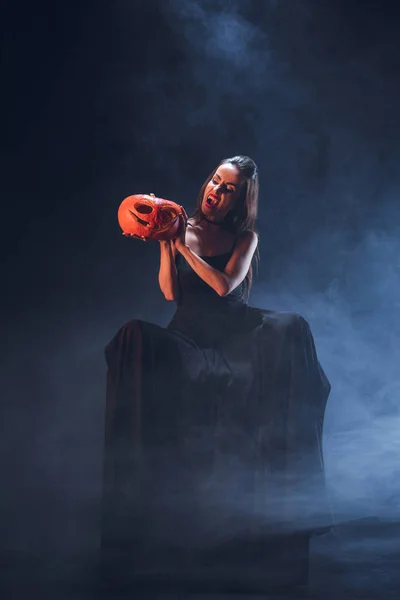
(180, 240)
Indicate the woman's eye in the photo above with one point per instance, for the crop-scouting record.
(215, 182)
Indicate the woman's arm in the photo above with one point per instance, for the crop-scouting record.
(223, 282)
(167, 275)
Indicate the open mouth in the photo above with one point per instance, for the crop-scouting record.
(211, 201)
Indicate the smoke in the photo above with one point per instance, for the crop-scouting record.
(218, 32)
(355, 325)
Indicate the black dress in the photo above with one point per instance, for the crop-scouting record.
(213, 430)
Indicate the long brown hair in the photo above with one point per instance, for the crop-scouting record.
(242, 217)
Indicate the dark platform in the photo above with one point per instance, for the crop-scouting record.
(358, 560)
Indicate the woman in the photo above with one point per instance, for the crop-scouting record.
(213, 425)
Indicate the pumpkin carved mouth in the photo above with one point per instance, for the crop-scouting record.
(138, 219)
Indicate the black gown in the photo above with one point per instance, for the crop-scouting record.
(213, 431)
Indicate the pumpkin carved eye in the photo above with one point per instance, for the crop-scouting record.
(144, 209)
(167, 215)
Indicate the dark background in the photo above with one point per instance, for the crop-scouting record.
(101, 100)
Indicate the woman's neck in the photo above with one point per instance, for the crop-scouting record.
(210, 222)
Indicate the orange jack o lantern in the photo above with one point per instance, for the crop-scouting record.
(149, 218)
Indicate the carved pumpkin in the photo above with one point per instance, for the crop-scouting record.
(149, 218)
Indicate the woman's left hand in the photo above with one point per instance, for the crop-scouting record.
(179, 242)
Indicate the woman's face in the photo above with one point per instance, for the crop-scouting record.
(222, 191)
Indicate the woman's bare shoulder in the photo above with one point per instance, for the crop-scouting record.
(246, 244)
(248, 238)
